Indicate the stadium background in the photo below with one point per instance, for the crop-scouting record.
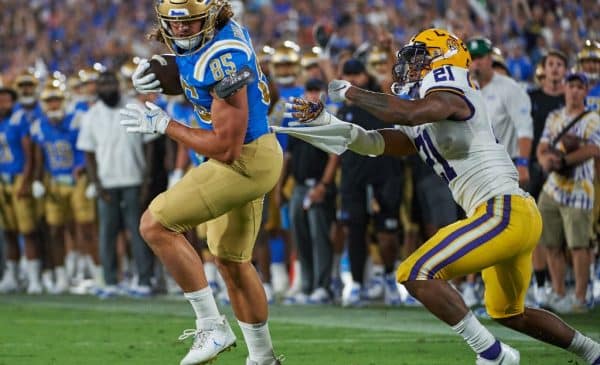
(70, 35)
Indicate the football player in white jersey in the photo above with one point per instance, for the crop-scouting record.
(449, 128)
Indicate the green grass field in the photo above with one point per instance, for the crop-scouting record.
(85, 330)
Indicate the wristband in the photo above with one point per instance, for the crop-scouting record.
(521, 161)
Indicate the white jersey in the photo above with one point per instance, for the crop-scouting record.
(509, 109)
(464, 152)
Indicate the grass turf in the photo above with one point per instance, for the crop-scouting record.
(84, 330)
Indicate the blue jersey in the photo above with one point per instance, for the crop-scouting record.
(31, 114)
(285, 94)
(184, 113)
(228, 51)
(12, 130)
(58, 144)
(592, 99)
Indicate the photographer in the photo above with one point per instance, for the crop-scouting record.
(570, 141)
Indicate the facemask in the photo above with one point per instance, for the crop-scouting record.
(55, 114)
(27, 100)
(188, 44)
(285, 80)
(110, 98)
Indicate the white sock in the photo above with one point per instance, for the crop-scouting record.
(474, 333)
(61, 275)
(203, 303)
(11, 271)
(585, 347)
(98, 275)
(33, 270)
(258, 340)
(210, 270)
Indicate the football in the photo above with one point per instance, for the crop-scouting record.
(166, 71)
(570, 142)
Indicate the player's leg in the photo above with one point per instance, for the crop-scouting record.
(26, 219)
(8, 222)
(57, 214)
(493, 234)
(207, 192)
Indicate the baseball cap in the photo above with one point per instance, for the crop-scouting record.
(353, 66)
(479, 46)
(577, 76)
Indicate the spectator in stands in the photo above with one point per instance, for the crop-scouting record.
(568, 195)
(546, 98)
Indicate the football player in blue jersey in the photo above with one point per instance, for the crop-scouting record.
(17, 215)
(27, 84)
(57, 138)
(226, 191)
(588, 62)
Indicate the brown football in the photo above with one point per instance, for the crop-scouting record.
(166, 71)
(570, 142)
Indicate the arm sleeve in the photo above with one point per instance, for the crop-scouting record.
(519, 108)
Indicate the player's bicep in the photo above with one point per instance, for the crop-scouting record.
(446, 105)
(230, 115)
(397, 143)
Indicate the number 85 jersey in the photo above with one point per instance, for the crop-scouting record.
(228, 51)
(464, 152)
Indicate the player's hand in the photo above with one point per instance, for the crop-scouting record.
(91, 191)
(174, 177)
(307, 113)
(145, 84)
(37, 189)
(149, 119)
(337, 90)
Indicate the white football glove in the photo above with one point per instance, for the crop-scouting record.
(37, 189)
(307, 113)
(337, 90)
(145, 84)
(150, 119)
(174, 177)
(91, 191)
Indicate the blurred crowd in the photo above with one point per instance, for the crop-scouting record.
(69, 35)
(334, 228)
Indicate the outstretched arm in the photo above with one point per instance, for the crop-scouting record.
(435, 106)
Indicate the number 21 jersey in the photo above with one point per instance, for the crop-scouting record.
(464, 153)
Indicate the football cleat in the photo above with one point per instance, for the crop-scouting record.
(211, 337)
(391, 296)
(8, 284)
(351, 295)
(508, 356)
(375, 288)
(469, 296)
(319, 296)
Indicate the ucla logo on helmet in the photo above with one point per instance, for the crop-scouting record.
(178, 12)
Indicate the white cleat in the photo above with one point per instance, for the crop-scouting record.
(351, 295)
(34, 288)
(211, 337)
(8, 285)
(508, 356)
(391, 296)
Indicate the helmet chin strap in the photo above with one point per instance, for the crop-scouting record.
(285, 80)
